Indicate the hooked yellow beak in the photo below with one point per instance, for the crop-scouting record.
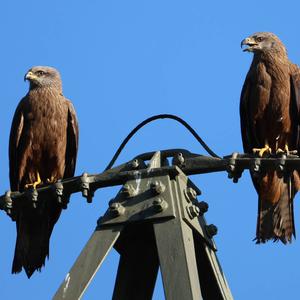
(29, 76)
(250, 42)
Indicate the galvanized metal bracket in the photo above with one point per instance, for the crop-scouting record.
(141, 200)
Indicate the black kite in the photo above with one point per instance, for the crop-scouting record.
(269, 111)
(42, 148)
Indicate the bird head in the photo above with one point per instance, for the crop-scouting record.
(263, 42)
(42, 76)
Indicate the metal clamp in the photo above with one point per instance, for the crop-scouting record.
(85, 188)
(281, 167)
(32, 195)
(59, 193)
(8, 204)
(256, 168)
(234, 172)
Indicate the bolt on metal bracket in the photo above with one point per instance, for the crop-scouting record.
(152, 199)
(157, 187)
(159, 204)
(128, 190)
(116, 209)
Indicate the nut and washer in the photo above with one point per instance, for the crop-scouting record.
(193, 211)
(211, 230)
(159, 204)
(116, 209)
(203, 206)
(157, 187)
(128, 190)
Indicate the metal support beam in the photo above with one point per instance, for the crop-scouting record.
(138, 266)
(213, 282)
(88, 262)
(175, 245)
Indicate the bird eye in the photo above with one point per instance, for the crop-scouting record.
(40, 73)
(259, 39)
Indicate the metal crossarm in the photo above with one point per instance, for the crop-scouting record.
(189, 163)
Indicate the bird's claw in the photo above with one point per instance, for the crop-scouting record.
(262, 151)
(51, 180)
(34, 184)
(280, 151)
(286, 151)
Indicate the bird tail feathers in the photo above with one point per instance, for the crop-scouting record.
(34, 228)
(275, 211)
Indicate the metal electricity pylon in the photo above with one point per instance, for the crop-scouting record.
(154, 221)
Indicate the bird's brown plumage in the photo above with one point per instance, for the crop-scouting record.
(269, 111)
(44, 142)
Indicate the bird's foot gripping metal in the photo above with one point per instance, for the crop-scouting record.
(261, 151)
(34, 184)
(281, 163)
(286, 151)
(31, 191)
(51, 180)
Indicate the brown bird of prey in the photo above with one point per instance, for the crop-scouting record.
(42, 149)
(269, 111)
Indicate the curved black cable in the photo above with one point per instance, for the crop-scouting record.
(153, 118)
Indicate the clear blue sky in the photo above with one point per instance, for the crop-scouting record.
(122, 61)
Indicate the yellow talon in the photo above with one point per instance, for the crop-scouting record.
(286, 150)
(34, 184)
(262, 151)
(51, 180)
